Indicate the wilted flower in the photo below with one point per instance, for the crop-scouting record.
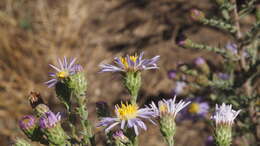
(49, 120)
(224, 114)
(131, 63)
(128, 115)
(27, 122)
(168, 107)
(65, 69)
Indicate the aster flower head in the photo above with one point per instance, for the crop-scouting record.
(131, 63)
(224, 76)
(66, 68)
(168, 107)
(224, 114)
(172, 74)
(27, 122)
(179, 87)
(128, 115)
(49, 120)
(198, 108)
(200, 61)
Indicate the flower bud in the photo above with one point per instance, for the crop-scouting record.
(197, 15)
(51, 127)
(41, 109)
(28, 125)
(21, 142)
(77, 83)
(202, 65)
(120, 138)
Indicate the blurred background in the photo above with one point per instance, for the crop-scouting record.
(34, 33)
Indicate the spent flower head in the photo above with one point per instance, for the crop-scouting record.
(128, 115)
(66, 68)
(49, 120)
(224, 115)
(168, 107)
(131, 63)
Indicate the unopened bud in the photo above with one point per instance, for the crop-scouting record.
(197, 15)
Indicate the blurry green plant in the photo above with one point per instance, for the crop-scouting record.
(236, 82)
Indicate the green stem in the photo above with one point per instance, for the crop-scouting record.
(169, 141)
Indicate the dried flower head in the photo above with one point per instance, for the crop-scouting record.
(197, 15)
(49, 120)
(35, 99)
(224, 114)
(65, 69)
(128, 115)
(131, 63)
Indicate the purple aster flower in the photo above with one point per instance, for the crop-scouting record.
(209, 141)
(196, 109)
(65, 69)
(179, 87)
(49, 120)
(27, 122)
(200, 61)
(131, 63)
(224, 114)
(168, 107)
(128, 115)
(172, 74)
(223, 76)
(232, 47)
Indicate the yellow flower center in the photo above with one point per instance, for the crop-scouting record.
(26, 121)
(62, 74)
(163, 108)
(124, 60)
(127, 111)
(194, 108)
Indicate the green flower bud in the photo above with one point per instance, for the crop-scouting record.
(21, 142)
(41, 109)
(197, 15)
